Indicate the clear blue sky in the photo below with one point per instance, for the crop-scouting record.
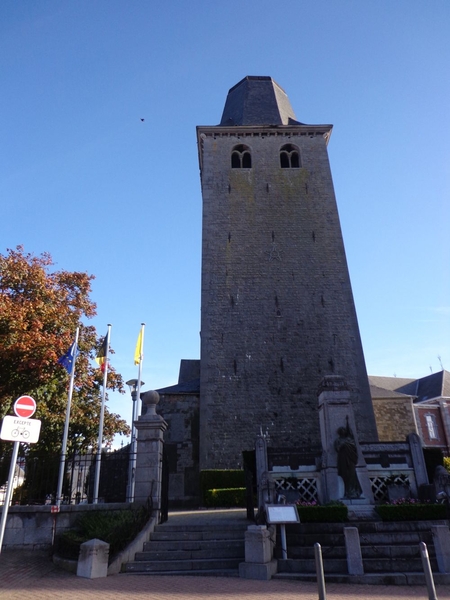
(82, 177)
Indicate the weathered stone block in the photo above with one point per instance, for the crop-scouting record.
(258, 547)
(93, 559)
(263, 572)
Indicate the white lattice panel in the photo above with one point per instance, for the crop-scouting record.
(305, 487)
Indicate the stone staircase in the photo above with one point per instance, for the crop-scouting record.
(211, 544)
(390, 552)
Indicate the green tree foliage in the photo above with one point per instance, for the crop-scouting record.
(447, 463)
(40, 309)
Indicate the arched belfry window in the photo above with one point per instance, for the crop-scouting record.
(241, 157)
(289, 157)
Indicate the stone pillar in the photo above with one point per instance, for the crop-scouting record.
(353, 547)
(441, 540)
(335, 412)
(259, 563)
(265, 485)
(418, 459)
(93, 559)
(150, 433)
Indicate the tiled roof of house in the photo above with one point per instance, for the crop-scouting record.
(389, 383)
(431, 386)
(379, 392)
(426, 388)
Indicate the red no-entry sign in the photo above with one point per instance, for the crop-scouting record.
(25, 407)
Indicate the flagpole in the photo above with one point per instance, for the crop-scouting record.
(62, 464)
(134, 418)
(102, 417)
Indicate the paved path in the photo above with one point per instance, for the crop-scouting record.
(25, 576)
(32, 576)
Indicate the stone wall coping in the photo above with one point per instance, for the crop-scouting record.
(68, 508)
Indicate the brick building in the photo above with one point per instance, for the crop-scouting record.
(420, 405)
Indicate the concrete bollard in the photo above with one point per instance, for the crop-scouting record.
(93, 559)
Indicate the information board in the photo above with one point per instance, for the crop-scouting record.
(282, 513)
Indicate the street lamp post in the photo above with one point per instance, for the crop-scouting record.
(135, 387)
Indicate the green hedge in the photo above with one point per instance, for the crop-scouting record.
(117, 528)
(411, 512)
(219, 479)
(225, 497)
(333, 513)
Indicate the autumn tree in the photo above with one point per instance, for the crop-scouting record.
(40, 309)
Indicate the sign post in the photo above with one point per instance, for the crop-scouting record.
(281, 514)
(17, 429)
(25, 406)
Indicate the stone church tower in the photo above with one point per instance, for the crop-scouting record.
(277, 306)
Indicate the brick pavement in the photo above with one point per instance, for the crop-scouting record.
(32, 576)
(26, 575)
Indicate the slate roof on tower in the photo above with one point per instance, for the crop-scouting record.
(258, 101)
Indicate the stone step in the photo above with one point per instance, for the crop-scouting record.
(382, 552)
(210, 564)
(395, 538)
(165, 555)
(309, 539)
(211, 545)
(363, 526)
(203, 573)
(213, 534)
(330, 565)
(197, 528)
(417, 578)
(399, 551)
(339, 566)
(396, 565)
(299, 552)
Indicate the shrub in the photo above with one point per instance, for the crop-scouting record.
(225, 497)
(332, 512)
(219, 479)
(447, 463)
(411, 510)
(117, 528)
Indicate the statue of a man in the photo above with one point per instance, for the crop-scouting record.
(347, 460)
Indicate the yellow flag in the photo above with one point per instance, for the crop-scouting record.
(138, 353)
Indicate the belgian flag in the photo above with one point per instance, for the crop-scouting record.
(102, 353)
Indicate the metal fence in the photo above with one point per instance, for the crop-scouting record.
(36, 477)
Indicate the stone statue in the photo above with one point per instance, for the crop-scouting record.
(347, 460)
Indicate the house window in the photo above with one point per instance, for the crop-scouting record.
(241, 157)
(289, 157)
(432, 427)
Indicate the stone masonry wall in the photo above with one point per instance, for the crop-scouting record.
(181, 441)
(33, 527)
(395, 418)
(277, 306)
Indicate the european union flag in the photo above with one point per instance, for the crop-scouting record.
(68, 358)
